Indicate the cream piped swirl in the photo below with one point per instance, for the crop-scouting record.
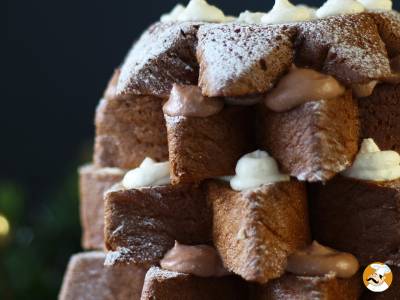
(285, 12)
(249, 17)
(373, 164)
(149, 173)
(339, 7)
(255, 169)
(382, 5)
(196, 10)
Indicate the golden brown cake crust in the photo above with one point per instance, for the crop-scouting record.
(326, 287)
(358, 216)
(93, 182)
(201, 148)
(380, 116)
(165, 285)
(335, 46)
(314, 141)
(254, 57)
(254, 231)
(389, 29)
(164, 54)
(128, 129)
(88, 279)
(141, 225)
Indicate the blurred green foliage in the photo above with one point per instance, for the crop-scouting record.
(34, 255)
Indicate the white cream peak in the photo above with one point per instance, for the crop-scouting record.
(373, 164)
(339, 7)
(149, 173)
(173, 15)
(285, 12)
(255, 169)
(249, 17)
(196, 10)
(383, 5)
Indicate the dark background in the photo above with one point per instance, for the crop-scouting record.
(59, 56)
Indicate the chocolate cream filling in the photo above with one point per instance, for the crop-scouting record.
(318, 260)
(200, 260)
(300, 86)
(187, 101)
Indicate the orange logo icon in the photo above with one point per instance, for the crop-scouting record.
(377, 277)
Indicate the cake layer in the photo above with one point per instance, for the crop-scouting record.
(93, 183)
(87, 278)
(389, 29)
(164, 54)
(335, 46)
(380, 116)
(256, 230)
(360, 217)
(141, 225)
(128, 129)
(326, 287)
(166, 285)
(208, 147)
(253, 58)
(314, 141)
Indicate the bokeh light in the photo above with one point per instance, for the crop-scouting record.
(4, 226)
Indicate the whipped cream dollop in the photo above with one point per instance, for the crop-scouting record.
(149, 173)
(199, 260)
(285, 12)
(339, 7)
(382, 5)
(318, 260)
(174, 14)
(373, 164)
(249, 17)
(255, 169)
(196, 10)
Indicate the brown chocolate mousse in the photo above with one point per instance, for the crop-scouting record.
(187, 101)
(318, 260)
(300, 86)
(200, 260)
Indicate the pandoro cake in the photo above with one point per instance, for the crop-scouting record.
(128, 129)
(93, 184)
(256, 227)
(253, 157)
(87, 278)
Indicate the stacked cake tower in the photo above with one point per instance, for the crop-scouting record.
(247, 158)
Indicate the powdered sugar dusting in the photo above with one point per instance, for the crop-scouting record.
(242, 59)
(352, 57)
(87, 278)
(389, 28)
(158, 273)
(117, 256)
(163, 55)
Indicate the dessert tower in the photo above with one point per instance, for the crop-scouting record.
(247, 158)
